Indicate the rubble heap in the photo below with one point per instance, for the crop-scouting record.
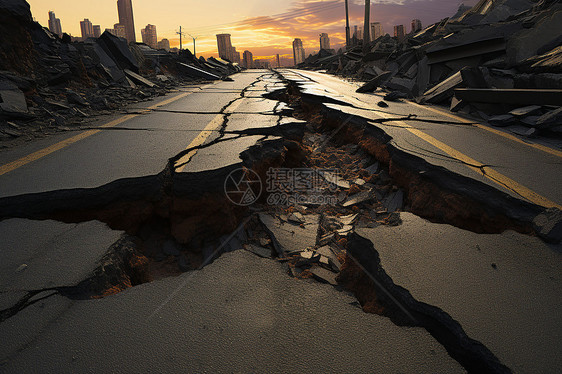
(500, 60)
(48, 83)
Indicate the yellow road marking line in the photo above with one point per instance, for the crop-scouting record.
(477, 166)
(65, 143)
(492, 130)
(211, 127)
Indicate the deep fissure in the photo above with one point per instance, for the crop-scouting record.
(173, 219)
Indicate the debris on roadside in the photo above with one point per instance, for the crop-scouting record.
(485, 61)
(50, 83)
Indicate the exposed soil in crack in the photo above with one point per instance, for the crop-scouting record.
(178, 222)
(431, 192)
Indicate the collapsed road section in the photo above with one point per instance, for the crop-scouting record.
(334, 192)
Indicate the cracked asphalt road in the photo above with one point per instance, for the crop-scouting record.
(526, 169)
(243, 313)
(124, 153)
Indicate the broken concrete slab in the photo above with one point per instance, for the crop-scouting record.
(288, 237)
(360, 197)
(510, 96)
(324, 275)
(550, 119)
(394, 201)
(119, 51)
(138, 79)
(525, 111)
(335, 179)
(511, 308)
(12, 100)
(374, 83)
(56, 254)
(221, 314)
(258, 250)
(465, 77)
(197, 72)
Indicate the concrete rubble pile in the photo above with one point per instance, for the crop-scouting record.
(48, 83)
(500, 60)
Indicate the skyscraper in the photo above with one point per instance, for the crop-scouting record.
(248, 61)
(149, 36)
(416, 25)
(225, 46)
(87, 29)
(324, 41)
(125, 10)
(97, 31)
(376, 30)
(399, 32)
(298, 52)
(54, 24)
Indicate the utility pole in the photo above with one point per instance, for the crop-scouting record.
(347, 35)
(194, 39)
(366, 28)
(180, 34)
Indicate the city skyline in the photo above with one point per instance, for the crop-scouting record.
(264, 35)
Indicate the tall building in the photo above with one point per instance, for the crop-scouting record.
(164, 44)
(235, 56)
(416, 25)
(97, 31)
(120, 30)
(125, 10)
(324, 41)
(54, 24)
(298, 52)
(149, 36)
(248, 61)
(376, 30)
(87, 29)
(225, 46)
(399, 32)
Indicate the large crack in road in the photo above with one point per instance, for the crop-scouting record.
(179, 221)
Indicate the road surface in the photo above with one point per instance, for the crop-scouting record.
(244, 313)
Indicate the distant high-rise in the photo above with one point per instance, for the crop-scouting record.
(324, 41)
(120, 30)
(164, 44)
(416, 25)
(149, 36)
(248, 60)
(97, 31)
(376, 30)
(399, 32)
(358, 33)
(298, 52)
(225, 46)
(278, 60)
(235, 56)
(87, 29)
(125, 10)
(54, 24)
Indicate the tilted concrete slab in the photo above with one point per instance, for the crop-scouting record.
(35, 255)
(504, 289)
(256, 319)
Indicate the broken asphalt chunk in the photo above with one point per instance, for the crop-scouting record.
(288, 237)
(258, 250)
(324, 275)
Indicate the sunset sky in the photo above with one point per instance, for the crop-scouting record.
(264, 27)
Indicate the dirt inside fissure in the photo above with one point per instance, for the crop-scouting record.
(170, 233)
